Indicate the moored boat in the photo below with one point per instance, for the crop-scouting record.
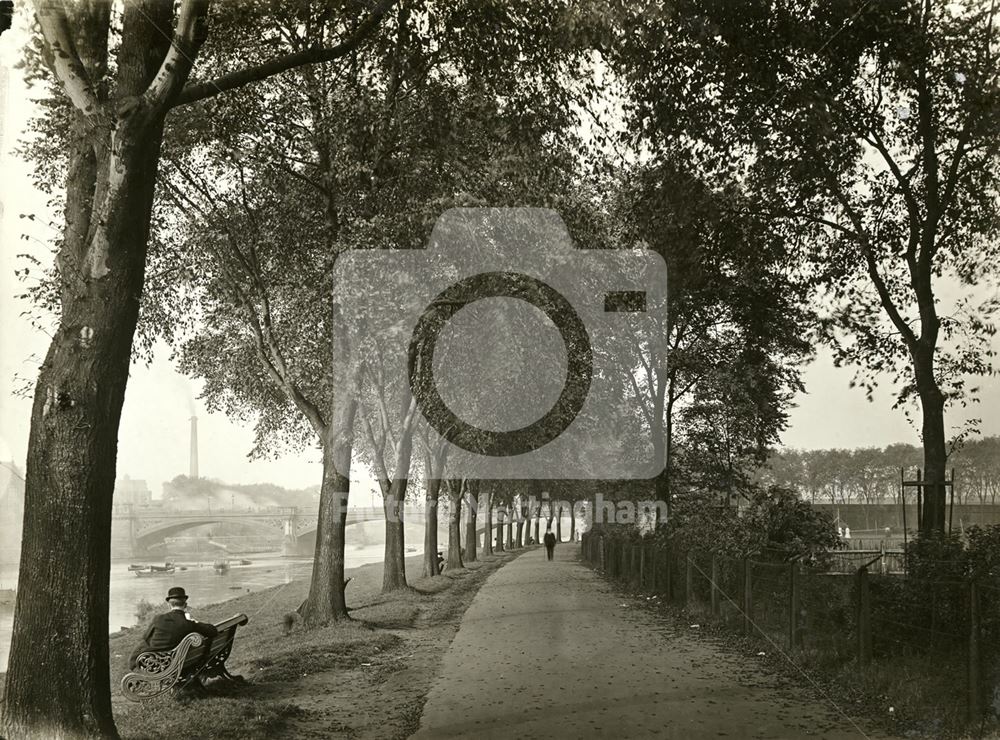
(154, 570)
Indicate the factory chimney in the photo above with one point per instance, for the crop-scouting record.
(194, 447)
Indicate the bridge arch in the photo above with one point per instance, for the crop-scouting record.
(158, 531)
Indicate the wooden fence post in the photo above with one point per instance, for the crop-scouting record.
(975, 656)
(669, 560)
(604, 553)
(793, 605)
(688, 578)
(642, 566)
(652, 568)
(715, 585)
(864, 618)
(747, 597)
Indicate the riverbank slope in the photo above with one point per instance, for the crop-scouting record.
(367, 678)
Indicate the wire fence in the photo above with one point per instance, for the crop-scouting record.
(844, 610)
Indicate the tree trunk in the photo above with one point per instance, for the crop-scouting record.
(510, 527)
(394, 561)
(431, 528)
(455, 525)
(326, 601)
(933, 518)
(559, 515)
(572, 521)
(486, 506)
(63, 691)
(538, 523)
(470, 523)
(433, 468)
(394, 564)
(65, 563)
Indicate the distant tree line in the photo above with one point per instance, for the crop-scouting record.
(870, 475)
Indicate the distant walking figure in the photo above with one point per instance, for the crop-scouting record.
(550, 543)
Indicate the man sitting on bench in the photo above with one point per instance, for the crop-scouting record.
(167, 630)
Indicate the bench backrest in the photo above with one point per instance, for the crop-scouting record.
(213, 647)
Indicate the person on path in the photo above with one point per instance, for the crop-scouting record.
(550, 543)
(167, 630)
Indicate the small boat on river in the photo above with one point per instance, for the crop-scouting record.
(154, 570)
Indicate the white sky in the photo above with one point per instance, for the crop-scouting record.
(153, 439)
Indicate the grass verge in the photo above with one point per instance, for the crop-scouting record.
(364, 678)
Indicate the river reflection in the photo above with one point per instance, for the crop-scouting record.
(200, 580)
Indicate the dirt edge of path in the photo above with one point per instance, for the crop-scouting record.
(853, 707)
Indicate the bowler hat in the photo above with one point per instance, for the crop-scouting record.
(176, 593)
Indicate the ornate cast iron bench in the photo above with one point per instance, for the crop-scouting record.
(196, 657)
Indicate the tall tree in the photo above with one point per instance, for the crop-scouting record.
(350, 152)
(120, 75)
(870, 133)
(734, 330)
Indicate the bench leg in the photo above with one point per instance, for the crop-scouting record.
(191, 687)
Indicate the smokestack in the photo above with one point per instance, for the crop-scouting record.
(194, 447)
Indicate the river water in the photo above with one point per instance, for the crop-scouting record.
(202, 583)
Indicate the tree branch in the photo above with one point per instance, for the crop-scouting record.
(65, 60)
(189, 35)
(199, 91)
(885, 298)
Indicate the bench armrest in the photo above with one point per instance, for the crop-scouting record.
(237, 620)
(156, 663)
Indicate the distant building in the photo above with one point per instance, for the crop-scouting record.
(4, 86)
(11, 511)
(132, 492)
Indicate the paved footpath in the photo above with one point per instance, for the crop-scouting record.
(547, 650)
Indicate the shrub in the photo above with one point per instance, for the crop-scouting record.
(144, 611)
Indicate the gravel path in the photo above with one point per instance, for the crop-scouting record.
(547, 650)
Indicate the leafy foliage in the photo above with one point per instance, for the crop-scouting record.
(868, 135)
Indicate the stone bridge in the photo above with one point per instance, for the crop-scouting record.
(149, 526)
